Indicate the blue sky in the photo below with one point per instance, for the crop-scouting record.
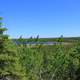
(48, 18)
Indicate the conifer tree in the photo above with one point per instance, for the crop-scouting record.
(10, 67)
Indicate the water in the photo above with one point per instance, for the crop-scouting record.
(34, 43)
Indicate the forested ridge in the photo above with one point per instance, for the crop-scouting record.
(38, 62)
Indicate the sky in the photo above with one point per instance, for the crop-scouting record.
(46, 18)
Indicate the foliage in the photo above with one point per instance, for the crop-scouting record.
(10, 66)
(38, 62)
(54, 62)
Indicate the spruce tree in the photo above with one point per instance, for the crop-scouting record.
(10, 67)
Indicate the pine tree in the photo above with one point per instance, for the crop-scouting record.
(10, 67)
